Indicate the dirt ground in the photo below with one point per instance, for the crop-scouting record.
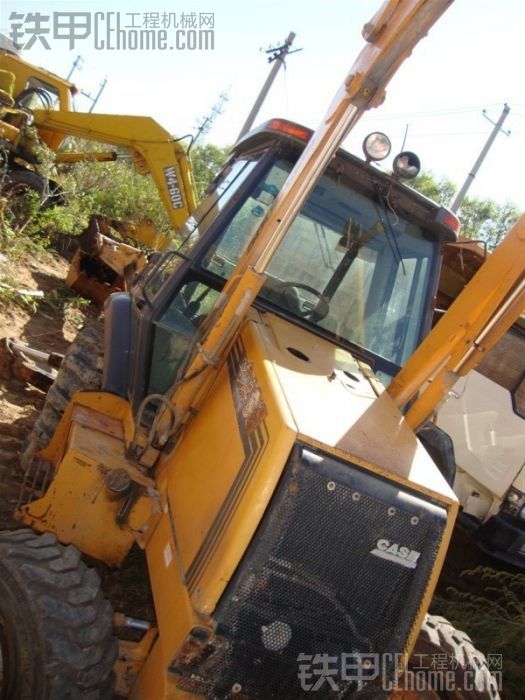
(51, 330)
(46, 330)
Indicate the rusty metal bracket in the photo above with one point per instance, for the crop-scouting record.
(26, 364)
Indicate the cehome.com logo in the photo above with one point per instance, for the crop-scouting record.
(396, 553)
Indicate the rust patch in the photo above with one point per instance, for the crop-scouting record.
(97, 421)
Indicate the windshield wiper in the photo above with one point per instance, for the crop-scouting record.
(388, 229)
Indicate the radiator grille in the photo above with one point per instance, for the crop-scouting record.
(310, 584)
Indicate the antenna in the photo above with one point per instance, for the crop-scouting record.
(404, 138)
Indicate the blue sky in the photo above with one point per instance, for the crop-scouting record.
(474, 58)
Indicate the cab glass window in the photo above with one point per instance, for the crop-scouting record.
(348, 264)
(177, 330)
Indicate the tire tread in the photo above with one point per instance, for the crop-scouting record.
(68, 612)
(81, 370)
(438, 636)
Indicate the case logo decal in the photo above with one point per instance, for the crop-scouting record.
(396, 553)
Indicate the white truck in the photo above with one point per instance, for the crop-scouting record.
(485, 417)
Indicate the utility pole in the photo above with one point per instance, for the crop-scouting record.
(76, 64)
(458, 201)
(277, 56)
(205, 125)
(95, 99)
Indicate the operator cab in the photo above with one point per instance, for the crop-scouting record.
(359, 266)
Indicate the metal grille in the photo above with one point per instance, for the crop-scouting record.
(37, 479)
(309, 583)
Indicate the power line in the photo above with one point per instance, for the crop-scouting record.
(435, 112)
(450, 133)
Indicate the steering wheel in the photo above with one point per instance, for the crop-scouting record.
(293, 300)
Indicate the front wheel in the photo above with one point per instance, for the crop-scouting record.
(81, 370)
(55, 627)
(446, 660)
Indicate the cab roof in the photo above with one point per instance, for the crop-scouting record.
(436, 219)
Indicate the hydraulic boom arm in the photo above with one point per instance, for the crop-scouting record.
(153, 150)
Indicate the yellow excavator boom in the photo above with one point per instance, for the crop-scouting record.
(153, 150)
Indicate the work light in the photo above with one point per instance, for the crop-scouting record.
(406, 165)
(376, 146)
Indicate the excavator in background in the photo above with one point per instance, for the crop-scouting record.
(237, 427)
(24, 87)
(36, 107)
(28, 87)
(153, 151)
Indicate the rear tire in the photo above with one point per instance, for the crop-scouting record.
(55, 627)
(21, 181)
(81, 370)
(442, 649)
(15, 186)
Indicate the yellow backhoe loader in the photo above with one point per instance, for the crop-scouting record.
(237, 428)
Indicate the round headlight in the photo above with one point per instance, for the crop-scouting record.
(406, 165)
(513, 496)
(376, 146)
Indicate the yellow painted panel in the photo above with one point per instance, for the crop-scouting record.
(335, 406)
(175, 616)
(203, 468)
(88, 442)
(226, 468)
(77, 509)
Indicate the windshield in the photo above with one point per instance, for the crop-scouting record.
(197, 224)
(349, 265)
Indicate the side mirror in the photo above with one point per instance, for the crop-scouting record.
(518, 397)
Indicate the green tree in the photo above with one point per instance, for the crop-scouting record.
(207, 160)
(440, 190)
(486, 219)
(481, 219)
(113, 189)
